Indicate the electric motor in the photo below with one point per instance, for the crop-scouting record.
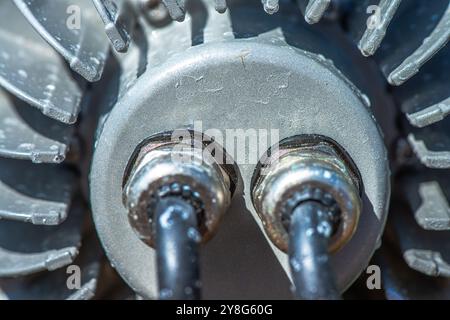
(224, 149)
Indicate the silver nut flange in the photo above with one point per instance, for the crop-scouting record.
(315, 165)
(169, 168)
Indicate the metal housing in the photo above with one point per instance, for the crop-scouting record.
(259, 82)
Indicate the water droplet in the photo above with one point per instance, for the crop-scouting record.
(95, 60)
(310, 232)
(22, 73)
(166, 220)
(165, 293)
(26, 146)
(193, 234)
(295, 265)
(324, 228)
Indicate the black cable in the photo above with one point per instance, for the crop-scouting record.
(311, 270)
(177, 241)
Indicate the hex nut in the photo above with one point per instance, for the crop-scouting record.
(160, 165)
(293, 169)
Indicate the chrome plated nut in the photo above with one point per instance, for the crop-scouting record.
(293, 170)
(166, 167)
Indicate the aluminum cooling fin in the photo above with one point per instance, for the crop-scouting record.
(400, 282)
(438, 38)
(118, 17)
(45, 201)
(425, 251)
(424, 101)
(28, 135)
(53, 285)
(431, 148)
(392, 20)
(176, 8)
(74, 29)
(433, 212)
(376, 30)
(27, 249)
(225, 62)
(31, 70)
(431, 114)
(315, 10)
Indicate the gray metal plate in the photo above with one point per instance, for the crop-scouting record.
(214, 84)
